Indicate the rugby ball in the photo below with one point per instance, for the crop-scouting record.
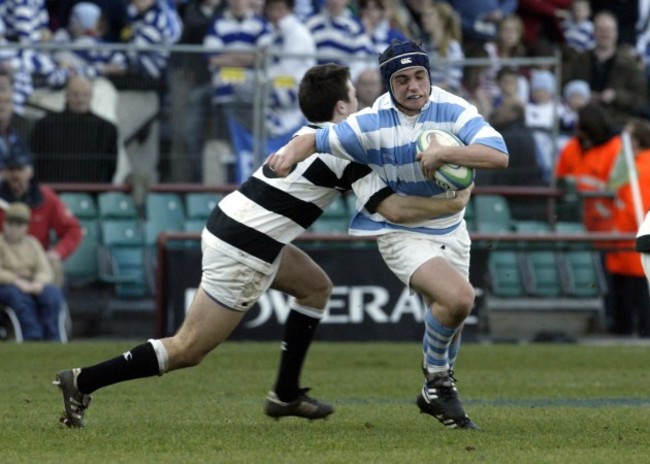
(448, 176)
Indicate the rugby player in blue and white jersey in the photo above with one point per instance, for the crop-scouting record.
(432, 256)
(247, 249)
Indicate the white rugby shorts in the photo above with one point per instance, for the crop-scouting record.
(231, 283)
(404, 251)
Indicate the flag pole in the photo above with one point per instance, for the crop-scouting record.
(633, 177)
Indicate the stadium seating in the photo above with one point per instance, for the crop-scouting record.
(122, 258)
(199, 205)
(193, 225)
(492, 209)
(581, 269)
(165, 211)
(505, 276)
(539, 266)
(82, 266)
(116, 205)
(81, 204)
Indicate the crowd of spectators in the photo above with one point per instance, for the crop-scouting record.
(602, 47)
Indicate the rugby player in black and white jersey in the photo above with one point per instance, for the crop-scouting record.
(247, 249)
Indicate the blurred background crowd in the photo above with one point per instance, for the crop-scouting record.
(184, 90)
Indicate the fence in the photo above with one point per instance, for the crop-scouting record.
(169, 130)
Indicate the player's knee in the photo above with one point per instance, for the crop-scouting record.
(323, 288)
(316, 293)
(463, 302)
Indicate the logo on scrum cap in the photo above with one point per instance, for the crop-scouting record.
(406, 61)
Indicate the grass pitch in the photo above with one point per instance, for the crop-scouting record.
(534, 404)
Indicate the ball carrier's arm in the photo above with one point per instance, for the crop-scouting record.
(298, 149)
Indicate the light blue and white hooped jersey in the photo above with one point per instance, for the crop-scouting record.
(384, 138)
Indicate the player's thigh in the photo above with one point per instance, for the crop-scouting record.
(206, 325)
(437, 266)
(231, 283)
(437, 280)
(300, 276)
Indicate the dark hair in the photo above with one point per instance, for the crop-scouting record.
(321, 88)
(289, 3)
(594, 124)
(364, 4)
(507, 71)
(640, 132)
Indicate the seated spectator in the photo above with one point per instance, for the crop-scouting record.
(481, 81)
(143, 88)
(26, 283)
(305, 8)
(374, 17)
(50, 216)
(441, 29)
(193, 77)
(84, 28)
(75, 145)
(12, 126)
(508, 83)
(627, 14)
(232, 39)
(369, 86)
(523, 169)
(26, 22)
(578, 28)
(541, 112)
(480, 20)
(616, 80)
(290, 37)
(114, 17)
(152, 22)
(20, 64)
(576, 94)
(341, 38)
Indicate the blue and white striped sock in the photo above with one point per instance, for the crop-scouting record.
(454, 348)
(437, 339)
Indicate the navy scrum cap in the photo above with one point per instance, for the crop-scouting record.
(401, 55)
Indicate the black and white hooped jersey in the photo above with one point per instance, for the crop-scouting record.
(253, 223)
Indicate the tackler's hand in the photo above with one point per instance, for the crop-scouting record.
(279, 163)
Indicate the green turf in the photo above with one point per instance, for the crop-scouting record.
(534, 403)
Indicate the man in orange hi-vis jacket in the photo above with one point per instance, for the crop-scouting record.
(587, 159)
(629, 289)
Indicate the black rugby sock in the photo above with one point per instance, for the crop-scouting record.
(139, 362)
(298, 334)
